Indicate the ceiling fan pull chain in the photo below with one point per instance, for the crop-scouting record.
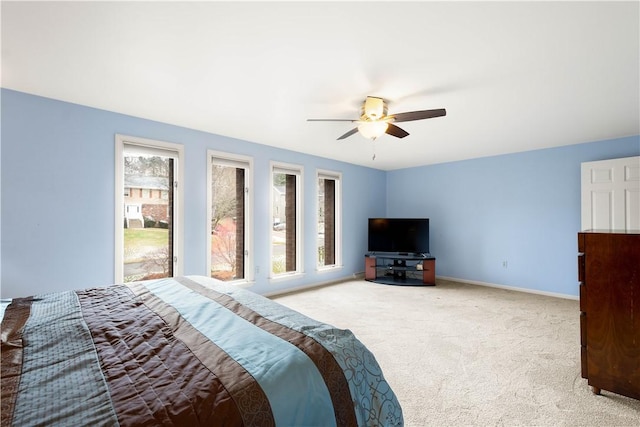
(373, 143)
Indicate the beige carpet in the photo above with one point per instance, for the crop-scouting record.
(458, 354)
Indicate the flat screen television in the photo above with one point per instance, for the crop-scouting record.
(401, 235)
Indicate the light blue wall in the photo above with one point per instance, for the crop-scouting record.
(521, 208)
(57, 222)
(57, 180)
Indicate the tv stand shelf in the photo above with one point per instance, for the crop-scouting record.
(400, 269)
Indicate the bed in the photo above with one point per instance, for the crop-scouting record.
(183, 351)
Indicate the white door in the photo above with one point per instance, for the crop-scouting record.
(611, 194)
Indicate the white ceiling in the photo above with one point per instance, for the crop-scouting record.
(513, 76)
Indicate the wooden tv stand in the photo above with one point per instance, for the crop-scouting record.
(396, 269)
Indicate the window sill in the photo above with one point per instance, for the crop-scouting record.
(285, 277)
(329, 268)
(243, 283)
(235, 283)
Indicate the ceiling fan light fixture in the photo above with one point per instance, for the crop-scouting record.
(374, 121)
(372, 130)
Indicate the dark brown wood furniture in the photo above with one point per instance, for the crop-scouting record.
(609, 275)
(392, 269)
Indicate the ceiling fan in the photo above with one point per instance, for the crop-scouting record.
(374, 121)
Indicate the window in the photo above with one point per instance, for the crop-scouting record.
(148, 232)
(286, 215)
(329, 220)
(229, 229)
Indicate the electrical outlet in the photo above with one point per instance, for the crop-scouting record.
(505, 264)
(257, 269)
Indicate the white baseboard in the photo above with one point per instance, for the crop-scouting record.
(313, 285)
(360, 275)
(511, 288)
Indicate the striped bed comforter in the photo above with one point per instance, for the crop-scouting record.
(183, 351)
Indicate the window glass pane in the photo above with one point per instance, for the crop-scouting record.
(283, 236)
(321, 209)
(227, 222)
(326, 221)
(148, 222)
(329, 239)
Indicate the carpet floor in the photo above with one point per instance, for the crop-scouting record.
(466, 355)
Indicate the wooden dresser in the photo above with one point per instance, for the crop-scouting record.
(609, 275)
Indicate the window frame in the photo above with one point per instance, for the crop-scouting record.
(298, 171)
(337, 178)
(238, 161)
(167, 149)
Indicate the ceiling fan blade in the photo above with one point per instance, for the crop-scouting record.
(418, 115)
(332, 120)
(348, 134)
(394, 130)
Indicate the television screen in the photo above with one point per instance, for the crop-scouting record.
(402, 235)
